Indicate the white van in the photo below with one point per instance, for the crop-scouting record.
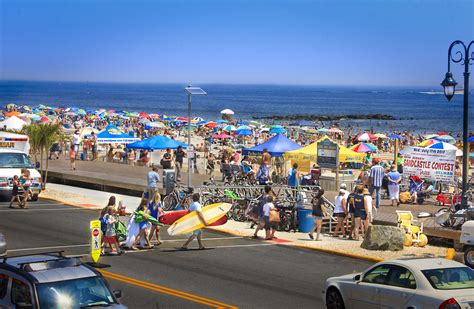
(14, 150)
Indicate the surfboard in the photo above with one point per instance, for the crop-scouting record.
(191, 222)
(171, 216)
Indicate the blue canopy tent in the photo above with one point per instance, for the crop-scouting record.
(158, 142)
(276, 146)
(112, 134)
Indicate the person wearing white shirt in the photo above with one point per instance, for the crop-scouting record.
(196, 206)
(76, 140)
(269, 227)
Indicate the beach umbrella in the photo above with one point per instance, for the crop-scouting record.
(471, 155)
(335, 130)
(11, 106)
(200, 123)
(427, 143)
(227, 112)
(166, 118)
(394, 136)
(157, 142)
(154, 116)
(276, 130)
(365, 137)
(222, 121)
(380, 135)
(243, 128)
(197, 119)
(445, 138)
(229, 128)
(264, 129)
(442, 133)
(244, 132)
(221, 136)
(364, 147)
(323, 130)
(470, 139)
(211, 124)
(10, 114)
(181, 119)
(430, 136)
(155, 124)
(143, 115)
(446, 146)
(243, 122)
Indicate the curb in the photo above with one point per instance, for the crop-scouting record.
(335, 252)
(68, 203)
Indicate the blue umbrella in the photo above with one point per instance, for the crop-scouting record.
(393, 136)
(243, 132)
(277, 130)
(470, 139)
(445, 138)
(158, 142)
(243, 128)
(221, 121)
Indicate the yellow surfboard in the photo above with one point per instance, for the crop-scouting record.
(191, 221)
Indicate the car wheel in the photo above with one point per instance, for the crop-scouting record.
(334, 299)
(469, 257)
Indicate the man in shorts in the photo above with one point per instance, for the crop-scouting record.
(152, 183)
(261, 216)
(196, 206)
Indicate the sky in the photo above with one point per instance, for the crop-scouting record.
(345, 42)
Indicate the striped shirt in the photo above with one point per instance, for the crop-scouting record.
(377, 173)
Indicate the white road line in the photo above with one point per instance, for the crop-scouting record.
(87, 245)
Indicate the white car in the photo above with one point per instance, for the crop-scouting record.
(404, 283)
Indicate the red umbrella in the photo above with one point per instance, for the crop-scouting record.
(364, 137)
(143, 115)
(182, 119)
(44, 119)
(221, 136)
(442, 133)
(211, 124)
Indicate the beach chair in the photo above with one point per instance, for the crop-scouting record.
(413, 229)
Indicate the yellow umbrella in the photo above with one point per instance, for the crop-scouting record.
(380, 135)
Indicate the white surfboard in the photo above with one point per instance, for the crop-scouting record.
(191, 221)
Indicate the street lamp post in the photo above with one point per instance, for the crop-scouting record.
(191, 91)
(465, 57)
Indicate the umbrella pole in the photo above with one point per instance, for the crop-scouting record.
(395, 155)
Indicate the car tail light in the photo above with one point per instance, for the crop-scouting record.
(450, 304)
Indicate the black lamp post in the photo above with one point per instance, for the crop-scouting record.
(465, 57)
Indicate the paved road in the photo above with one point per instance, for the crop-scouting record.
(234, 272)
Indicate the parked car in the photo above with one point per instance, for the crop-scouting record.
(467, 240)
(52, 280)
(404, 283)
(3, 245)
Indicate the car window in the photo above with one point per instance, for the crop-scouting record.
(450, 278)
(378, 275)
(401, 277)
(21, 295)
(3, 285)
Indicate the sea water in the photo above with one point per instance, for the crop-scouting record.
(414, 110)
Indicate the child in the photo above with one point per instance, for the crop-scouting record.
(141, 218)
(110, 238)
(154, 209)
(25, 182)
(72, 157)
(269, 227)
(15, 193)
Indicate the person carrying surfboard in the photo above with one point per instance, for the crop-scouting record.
(196, 206)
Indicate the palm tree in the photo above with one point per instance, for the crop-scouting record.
(34, 137)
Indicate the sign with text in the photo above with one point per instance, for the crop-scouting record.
(429, 164)
(328, 154)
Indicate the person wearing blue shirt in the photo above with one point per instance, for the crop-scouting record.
(196, 206)
(394, 179)
(294, 176)
(152, 183)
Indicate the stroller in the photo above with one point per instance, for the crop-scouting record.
(416, 185)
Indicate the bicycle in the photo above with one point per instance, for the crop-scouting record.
(177, 198)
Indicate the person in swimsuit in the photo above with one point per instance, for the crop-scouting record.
(154, 209)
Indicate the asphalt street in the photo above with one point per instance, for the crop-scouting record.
(233, 272)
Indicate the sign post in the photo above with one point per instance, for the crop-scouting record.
(95, 240)
(328, 156)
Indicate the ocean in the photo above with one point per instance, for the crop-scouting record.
(414, 110)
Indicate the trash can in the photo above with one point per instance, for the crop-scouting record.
(305, 220)
(169, 181)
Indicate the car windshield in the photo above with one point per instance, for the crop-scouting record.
(450, 278)
(15, 160)
(78, 293)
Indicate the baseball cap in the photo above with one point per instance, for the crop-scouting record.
(343, 186)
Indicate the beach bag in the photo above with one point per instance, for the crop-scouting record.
(120, 231)
(405, 197)
(274, 216)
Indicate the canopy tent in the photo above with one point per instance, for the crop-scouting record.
(158, 142)
(276, 146)
(13, 123)
(112, 134)
(307, 155)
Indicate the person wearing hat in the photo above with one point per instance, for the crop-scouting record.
(340, 212)
(394, 178)
(368, 205)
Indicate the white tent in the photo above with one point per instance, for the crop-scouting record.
(227, 112)
(12, 123)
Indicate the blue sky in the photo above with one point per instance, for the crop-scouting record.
(378, 42)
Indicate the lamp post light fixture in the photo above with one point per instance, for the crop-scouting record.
(191, 91)
(466, 57)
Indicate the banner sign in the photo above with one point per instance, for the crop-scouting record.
(327, 154)
(429, 164)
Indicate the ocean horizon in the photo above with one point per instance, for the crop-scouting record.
(414, 107)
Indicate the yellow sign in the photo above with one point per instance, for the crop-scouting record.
(95, 240)
(7, 144)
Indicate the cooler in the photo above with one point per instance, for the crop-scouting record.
(305, 220)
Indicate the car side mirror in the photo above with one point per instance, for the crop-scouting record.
(117, 294)
(357, 278)
(37, 165)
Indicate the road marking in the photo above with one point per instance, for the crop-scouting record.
(166, 290)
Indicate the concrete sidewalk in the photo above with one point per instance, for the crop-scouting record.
(98, 199)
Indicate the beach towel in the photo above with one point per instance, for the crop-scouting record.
(133, 229)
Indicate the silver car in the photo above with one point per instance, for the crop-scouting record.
(52, 280)
(404, 283)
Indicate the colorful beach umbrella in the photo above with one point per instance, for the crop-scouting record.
(211, 124)
(243, 132)
(230, 128)
(221, 136)
(427, 143)
(323, 130)
(276, 130)
(446, 146)
(365, 137)
(394, 136)
(445, 138)
(364, 147)
(470, 139)
(380, 135)
(243, 128)
(430, 136)
(222, 121)
(335, 130)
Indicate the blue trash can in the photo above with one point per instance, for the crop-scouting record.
(305, 220)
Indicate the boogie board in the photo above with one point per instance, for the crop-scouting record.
(191, 222)
(171, 216)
